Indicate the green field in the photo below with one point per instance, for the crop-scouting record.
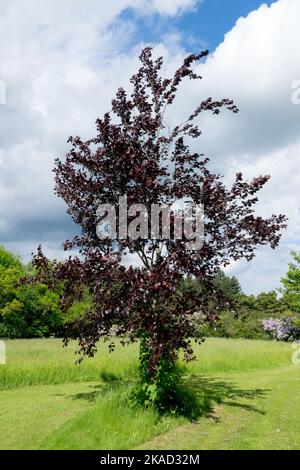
(248, 392)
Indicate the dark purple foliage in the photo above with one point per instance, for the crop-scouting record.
(135, 154)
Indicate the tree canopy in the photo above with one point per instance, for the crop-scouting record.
(291, 284)
(26, 310)
(135, 154)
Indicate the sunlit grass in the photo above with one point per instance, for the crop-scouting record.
(247, 396)
(46, 361)
(239, 355)
(111, 424)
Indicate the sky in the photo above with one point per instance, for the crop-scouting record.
(62, 61)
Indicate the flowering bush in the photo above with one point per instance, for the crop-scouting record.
(283, 329)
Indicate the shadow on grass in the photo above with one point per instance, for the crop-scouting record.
(196, 396)
(109, 382)
(100, 390)
(203, 393)
(96, 392)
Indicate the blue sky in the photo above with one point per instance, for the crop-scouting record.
(203, 27)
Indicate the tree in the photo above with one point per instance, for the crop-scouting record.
(11, 269)
(229, 286)
(26, 310)
(268, 303)
(291, 284)
(136, 155)
(244, 316)
(225, 292)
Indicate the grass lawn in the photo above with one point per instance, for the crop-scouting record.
(249, 395)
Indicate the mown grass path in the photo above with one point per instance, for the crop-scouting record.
(248, 396)
(267, 418)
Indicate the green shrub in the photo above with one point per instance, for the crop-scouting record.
(163, 389)
(244, 319)
(231, 326)
(26, 310)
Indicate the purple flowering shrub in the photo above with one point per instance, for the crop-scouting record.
(282, 329)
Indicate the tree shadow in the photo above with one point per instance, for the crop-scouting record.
(197, 395)
(200, 394)
(100, 390)
(96, 392)
(109, 382)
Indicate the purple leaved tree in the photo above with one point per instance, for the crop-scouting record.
(135, 155)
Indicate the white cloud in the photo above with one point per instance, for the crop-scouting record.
(61, 62)
(61, 74)
(173, 7)
(256, 65)
(280, 195)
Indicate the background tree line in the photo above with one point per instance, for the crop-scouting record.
(26, 310)
(33, 310)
